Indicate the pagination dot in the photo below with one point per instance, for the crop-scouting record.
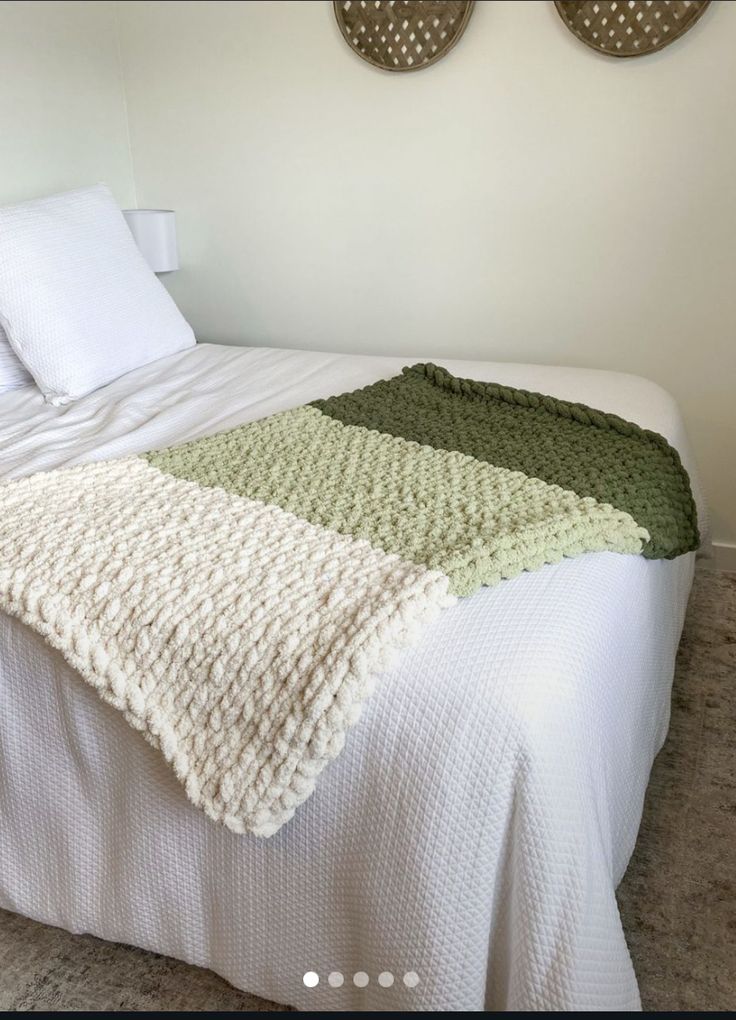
(386, 979)
(360, 979)
(411, 979)
(310, 979)
(335, 980)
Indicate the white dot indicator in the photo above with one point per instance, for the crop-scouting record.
(310, 979)
(411, 979)
(360, 979)
(335, 980)
(386, 979)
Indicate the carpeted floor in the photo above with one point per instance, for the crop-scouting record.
(678, 900)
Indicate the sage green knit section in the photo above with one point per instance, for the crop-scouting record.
(475, 522)
(570, 445)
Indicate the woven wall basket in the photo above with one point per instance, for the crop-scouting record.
(402, 35)
(629, 28)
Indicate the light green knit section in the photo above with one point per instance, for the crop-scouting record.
(475, 522)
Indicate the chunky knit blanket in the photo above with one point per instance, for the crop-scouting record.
(236, 597)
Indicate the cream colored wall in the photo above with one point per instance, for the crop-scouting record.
(62, 109)
(525, 199)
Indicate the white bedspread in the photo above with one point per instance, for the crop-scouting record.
(548, 694)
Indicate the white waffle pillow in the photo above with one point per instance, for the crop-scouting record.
(12, 373)
(78, 301)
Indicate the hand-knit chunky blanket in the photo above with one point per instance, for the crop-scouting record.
(235, 597)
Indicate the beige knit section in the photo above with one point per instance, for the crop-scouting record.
(238, 638)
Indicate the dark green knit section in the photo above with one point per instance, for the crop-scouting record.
(587, 451)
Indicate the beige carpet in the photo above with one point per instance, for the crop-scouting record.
(678, 899)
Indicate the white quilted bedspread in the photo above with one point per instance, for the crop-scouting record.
(544, 699)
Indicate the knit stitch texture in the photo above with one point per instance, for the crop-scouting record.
(576, 447)
(238, 639)
(475, 522)
(236, 597)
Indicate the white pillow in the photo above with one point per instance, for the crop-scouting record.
(12, 373)
(78, 301)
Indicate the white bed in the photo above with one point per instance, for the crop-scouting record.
(549, 694)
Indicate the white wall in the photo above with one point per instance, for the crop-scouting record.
(62, 109)
(525, 199)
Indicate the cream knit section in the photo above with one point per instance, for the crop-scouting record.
(238, 638)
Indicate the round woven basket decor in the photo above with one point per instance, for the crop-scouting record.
(629, 28)
(402, 35)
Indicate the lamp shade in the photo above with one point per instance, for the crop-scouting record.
(154, 231)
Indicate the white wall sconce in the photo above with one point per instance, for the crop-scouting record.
(154, 231)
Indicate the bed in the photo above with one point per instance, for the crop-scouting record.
(547, 696)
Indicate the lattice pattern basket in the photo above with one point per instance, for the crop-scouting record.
(629, 28)
(402, 35)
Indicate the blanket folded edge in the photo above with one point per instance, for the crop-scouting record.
(93, 646)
